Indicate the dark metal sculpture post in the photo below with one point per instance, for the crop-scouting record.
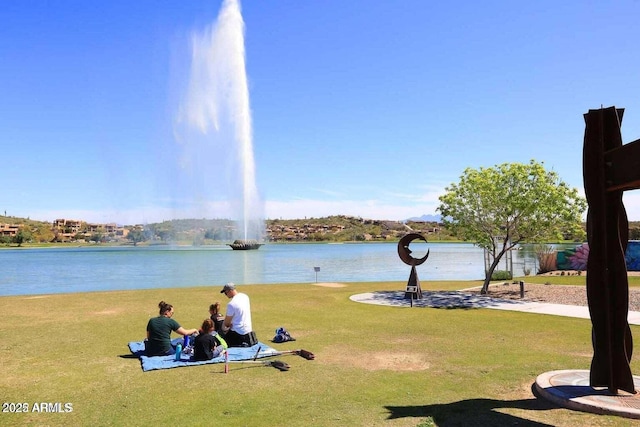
(609, 168)
(413, 285)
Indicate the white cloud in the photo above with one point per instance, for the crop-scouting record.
(370, 209)
(144, 215)
(631, 200)
(398, 206)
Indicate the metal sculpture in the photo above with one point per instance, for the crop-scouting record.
(609, 168)
(413, 285)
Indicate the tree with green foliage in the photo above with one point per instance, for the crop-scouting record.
(634, 231)
(136, 236)
(500, 207)
(22, 236)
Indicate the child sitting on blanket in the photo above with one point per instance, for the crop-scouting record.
(216, 317)
(208, 344)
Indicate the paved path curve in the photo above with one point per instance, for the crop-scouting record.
(461, 299)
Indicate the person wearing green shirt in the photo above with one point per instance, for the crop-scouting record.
(158, 342)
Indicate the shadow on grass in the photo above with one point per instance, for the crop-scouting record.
(476, 412)
(436, 299)
(130, 356)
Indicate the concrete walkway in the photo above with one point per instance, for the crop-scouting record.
(461, 299)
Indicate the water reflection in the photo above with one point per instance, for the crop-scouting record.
(56, 270)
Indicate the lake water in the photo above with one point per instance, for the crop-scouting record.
(83, 269)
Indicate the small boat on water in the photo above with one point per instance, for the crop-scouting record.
(244, 245)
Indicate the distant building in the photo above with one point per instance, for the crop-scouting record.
(9, 229)
(102, 228)
(70, 229)
(67, 225)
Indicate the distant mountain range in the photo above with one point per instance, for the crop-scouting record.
(426, 218)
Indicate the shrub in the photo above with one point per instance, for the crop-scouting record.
(501, 275)
(546, 257)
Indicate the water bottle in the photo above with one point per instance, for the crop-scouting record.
(186, 341)
(178, 351)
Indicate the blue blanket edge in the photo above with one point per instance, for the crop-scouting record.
(167, 362)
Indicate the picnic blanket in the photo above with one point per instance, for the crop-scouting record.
(166, 362)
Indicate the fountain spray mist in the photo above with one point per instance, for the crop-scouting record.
(217, 116)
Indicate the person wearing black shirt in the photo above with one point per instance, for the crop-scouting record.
(207, 344)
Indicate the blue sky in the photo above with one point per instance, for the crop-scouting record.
(360, 107)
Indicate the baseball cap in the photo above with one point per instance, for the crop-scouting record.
(228, 287)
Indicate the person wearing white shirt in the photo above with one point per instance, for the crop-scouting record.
(237, 327)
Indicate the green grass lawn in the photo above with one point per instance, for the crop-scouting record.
(375, 365)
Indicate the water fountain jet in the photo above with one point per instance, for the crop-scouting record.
(217, 117)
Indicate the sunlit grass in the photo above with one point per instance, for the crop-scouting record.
(375, 365)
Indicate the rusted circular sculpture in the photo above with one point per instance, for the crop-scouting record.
(405, 253)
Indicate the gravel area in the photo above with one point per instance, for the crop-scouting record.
(556, 294)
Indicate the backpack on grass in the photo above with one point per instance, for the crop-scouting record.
(282, 335)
